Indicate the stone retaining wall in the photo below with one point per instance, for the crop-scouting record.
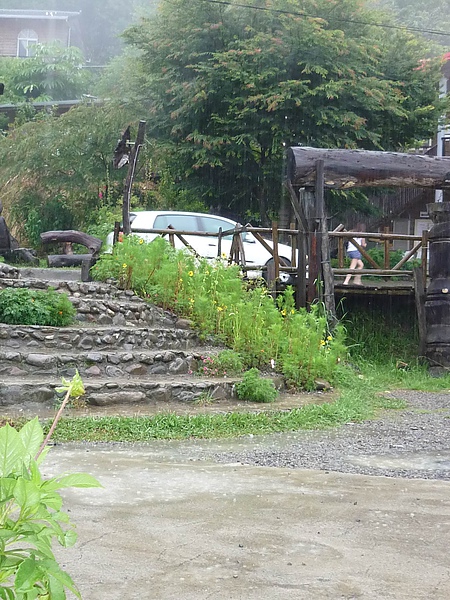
(13, 337)
(98, 364)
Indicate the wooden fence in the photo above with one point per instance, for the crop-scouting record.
(268, 237)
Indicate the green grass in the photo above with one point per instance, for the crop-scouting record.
(349, 407)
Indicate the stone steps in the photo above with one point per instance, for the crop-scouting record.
(126, 350)
(37, 339)
(101, 303)
(104, 392)
(110, 364)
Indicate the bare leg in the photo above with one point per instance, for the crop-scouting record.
(359, 265)
(353, 265)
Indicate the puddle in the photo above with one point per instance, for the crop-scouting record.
(420, 461)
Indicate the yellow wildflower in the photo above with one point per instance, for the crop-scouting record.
(141, 241)
(191, 273)
(329, 338)
(283, 312)
(219, 309)
(322, 342)
(124, 266)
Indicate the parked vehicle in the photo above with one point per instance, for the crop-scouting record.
(254, 252)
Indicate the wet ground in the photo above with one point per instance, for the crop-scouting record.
(300, 515)
(168, 526)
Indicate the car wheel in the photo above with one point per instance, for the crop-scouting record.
(284, 278)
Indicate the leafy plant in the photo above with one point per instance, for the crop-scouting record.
(31, 516)
(255, 388)
(227, 362)
(23, 306)
(259, 332)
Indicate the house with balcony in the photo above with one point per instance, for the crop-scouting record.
(20, 30)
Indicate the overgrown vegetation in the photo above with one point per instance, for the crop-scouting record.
(23, 306)
(264, 334)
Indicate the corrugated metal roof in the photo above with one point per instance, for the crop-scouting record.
(38, 14)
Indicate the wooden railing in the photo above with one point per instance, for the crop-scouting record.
(419, 250)
(237, 252)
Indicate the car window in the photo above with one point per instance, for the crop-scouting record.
(180, 222)
(213, 224)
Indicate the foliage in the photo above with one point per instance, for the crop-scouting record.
(229, 87)
(255, 388)
(395, 256)
(52, 73)
(23, 306)
(263, 333)
(423, 15)
(227, 362)
(382, 333)
(31, 518)
(57, 171)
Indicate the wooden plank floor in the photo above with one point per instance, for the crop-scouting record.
(378, 286)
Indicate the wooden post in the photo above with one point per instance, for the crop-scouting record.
(130, 177)
(293, 241)
(307, 199)
(327, 271)
(425, 256)
(276, 260)
(387, 249)
(302, 244)
(219, 243)
(419, 294)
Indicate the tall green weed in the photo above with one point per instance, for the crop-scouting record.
(267, 335)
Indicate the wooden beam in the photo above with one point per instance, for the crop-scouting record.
(130, 177)
(76, 237)
(346, 169)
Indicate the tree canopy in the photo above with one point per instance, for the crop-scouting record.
(226, 88)
(57, 172)
(52, 73)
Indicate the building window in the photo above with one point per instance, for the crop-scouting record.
(26, 39)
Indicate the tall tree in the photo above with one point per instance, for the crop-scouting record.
(227, 87)
(56, 172)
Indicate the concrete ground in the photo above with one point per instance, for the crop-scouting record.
(168, 526)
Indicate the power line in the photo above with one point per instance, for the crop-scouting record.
(354, 21)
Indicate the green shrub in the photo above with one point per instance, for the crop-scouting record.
(35, 307)
(227, 362)
(255, 388)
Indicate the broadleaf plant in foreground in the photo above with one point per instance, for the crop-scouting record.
(31, 516)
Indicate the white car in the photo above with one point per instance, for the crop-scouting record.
(207, 247)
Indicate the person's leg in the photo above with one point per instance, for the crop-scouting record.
(353, 264)
(359, 265)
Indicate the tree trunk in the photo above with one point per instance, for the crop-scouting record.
(346, 169)
(76, 237)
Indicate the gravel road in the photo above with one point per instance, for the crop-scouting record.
(410, 443)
